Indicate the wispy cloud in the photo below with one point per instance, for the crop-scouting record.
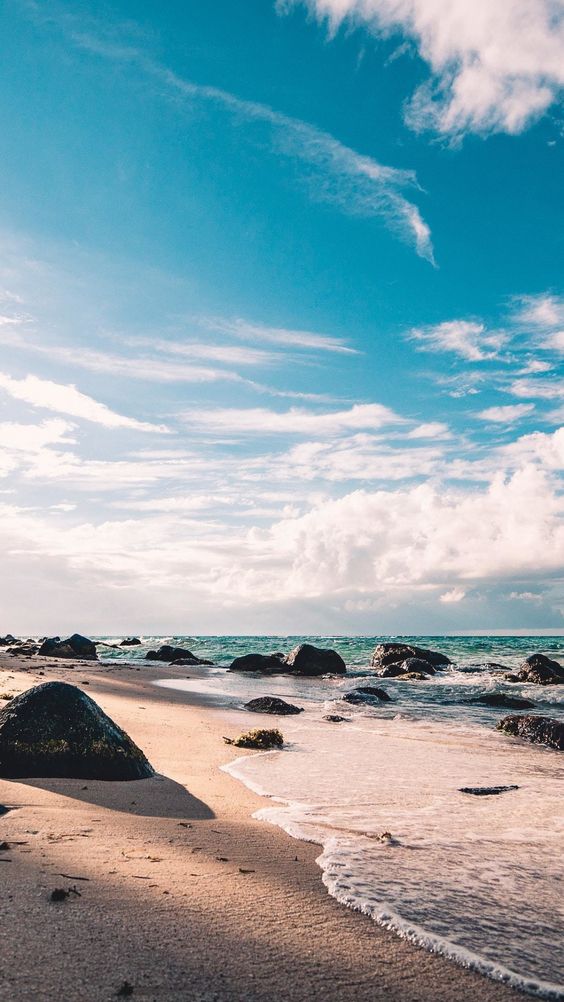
(355, 183)
(495, 66)
(66, 399)
(260, 421)
(245, 330)
(469, 339)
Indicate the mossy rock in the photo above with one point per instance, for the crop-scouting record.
(261, 738)
(56, 730)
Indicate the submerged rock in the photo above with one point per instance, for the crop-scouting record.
(413, 676)
(540, 670)
(173, 655)
(389, 654)
(503, 700)
(540, 730)
(271, 704)
(57, 730)
(487, 791)
(367, 694)
(305, 659)
(76, 646)
(261, 738)
(334, 718)
(130, 642)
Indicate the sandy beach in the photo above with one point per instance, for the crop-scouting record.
(181, 893)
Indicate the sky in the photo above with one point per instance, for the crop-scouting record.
(282, 316)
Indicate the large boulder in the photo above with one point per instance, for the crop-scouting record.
(400, 668)
(55, 729)
(305, 659)
(540, 730)
(366, 694)
(76, 646)
(266, 664)
(7, 640)
(130, 642)
(173, 654)
(389, 654)
(540, 670)
(272, 704)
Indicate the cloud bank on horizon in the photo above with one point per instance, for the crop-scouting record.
(231, 400)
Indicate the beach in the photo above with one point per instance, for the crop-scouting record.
(180, 893)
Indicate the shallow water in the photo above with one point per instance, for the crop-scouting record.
(478, 878)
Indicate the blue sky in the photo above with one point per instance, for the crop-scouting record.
(282, 316)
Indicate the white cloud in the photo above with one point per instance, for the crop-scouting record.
(433, 429)
(296, 421)
(467, 338)
(506, 414)
(225, 354)
(357, 457)
(543, 389)
(65, 399)
(544, 312)
(453, 596)
(33, 437)
(496, 65)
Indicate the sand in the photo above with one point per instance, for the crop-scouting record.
(181, 893)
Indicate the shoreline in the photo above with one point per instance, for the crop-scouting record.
(183, 893)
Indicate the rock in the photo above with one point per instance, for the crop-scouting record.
(267, 664)
(540, 730)
(475, 669)
(271, 704)
(305, 659)
(393, 653)
(7, 640)
(486, 791)
(503, 700)
(130, 642)
(334, 718)
(367, 694)
(413, 676)
(401, 668)
(55, 729)
(260, 738)
(76, 646)
(540, 670)
(25, 650)
(173, 655)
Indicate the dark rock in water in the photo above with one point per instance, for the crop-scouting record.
(25, 650)
(540, 730)
(7, 640)
(540, 670)
(130, 642)
(413, 676)
(334, 718)
(394, 653)
(486, 791)
(271, 704)
(483, 666)
(268, 664)
(172, 655)
(367, 694)
(305, 659)
(55, 729)
(503, 700)
(76, 646)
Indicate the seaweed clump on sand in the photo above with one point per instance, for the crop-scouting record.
(56, 730)
(261, 738)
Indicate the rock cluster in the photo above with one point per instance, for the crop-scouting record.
(76, 646)
(305, 659)
(55, 729)
(394, 660)
(539, 669)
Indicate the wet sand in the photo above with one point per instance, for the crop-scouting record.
(181, 893)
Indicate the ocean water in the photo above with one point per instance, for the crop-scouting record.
(477, 878)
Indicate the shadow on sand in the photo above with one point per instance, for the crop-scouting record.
(150, 798)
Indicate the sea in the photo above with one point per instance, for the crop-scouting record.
(477, 878)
